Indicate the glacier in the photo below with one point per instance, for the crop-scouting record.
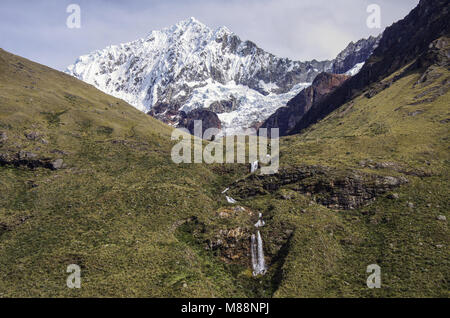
(189, 66)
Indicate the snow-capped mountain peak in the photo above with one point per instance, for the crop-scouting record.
(189, 65)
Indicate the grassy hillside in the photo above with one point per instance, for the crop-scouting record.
(115, 206)
(401, 132)
(139, 225)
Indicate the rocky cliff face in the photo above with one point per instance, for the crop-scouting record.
(404, 42)
(285, 118)
(190, 66)
(355, 53)
(208, 118)
(329, 187)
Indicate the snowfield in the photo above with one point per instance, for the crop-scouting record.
(189, 66)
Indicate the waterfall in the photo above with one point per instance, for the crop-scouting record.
(230, 200)
(260, 222)
(258, 262)
(254, 166)
(257, 251)
(261, 262)
(256, 247)
(254, 254)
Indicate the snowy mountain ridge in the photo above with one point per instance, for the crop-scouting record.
(189, 66)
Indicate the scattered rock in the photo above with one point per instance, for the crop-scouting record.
(224, 214)
(441, 218)
(31, 184)
(59, 152)
(387, 165)
(4, 158)
(286, 197)
(33, 136)
(57, 164)
(393, 166)
(25, 155)
(439, 246)
(3, 137)
(232, 212)
(415, 113)
(410, 205)
(367, 163)
(393, 196)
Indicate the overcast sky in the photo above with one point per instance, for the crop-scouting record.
(298, 29)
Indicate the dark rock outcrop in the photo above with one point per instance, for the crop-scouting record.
(228, 235)
(285, 118)
(329, 187)
(25, 155)
(224, 106)
(233, 244)
(402, 43)
(30, 160)
(208, 118)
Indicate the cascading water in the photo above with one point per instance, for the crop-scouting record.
(230, 200)
(256, 247)
(260, 222)
(257, 251)
(254, 166)
(254, 252)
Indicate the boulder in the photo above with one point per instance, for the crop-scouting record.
(393, 196)
(25, 155)
(57, 164)
(33, 136)
(3, 136)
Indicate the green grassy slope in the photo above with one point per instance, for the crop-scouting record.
(402, 131)
(139, 225)
(113, 209)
